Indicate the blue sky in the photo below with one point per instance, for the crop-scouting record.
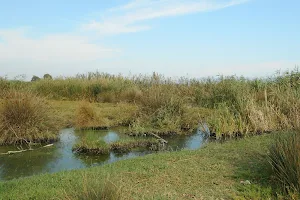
(194, 38)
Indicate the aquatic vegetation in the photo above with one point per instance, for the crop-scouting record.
(25, 117)
(93, 144)
(285, 160)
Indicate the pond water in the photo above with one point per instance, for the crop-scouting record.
(60, 157)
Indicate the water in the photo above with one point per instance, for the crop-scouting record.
(60, 157)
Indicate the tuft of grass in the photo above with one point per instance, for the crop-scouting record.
(93, 189)
(285, 160)
(25, 117)
(86, 117)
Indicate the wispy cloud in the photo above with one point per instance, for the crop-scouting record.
(132, 16)
(15, 45)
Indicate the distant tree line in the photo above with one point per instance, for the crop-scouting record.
(46, 76)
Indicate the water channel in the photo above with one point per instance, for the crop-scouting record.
(60, 157)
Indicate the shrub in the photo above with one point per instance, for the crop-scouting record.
(25, 117)
(285, 160)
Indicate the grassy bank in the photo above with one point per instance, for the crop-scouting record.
(213, 172)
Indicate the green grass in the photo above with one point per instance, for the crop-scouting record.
(213, 172)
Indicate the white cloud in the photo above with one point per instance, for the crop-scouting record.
(49, 48)
(127, 18)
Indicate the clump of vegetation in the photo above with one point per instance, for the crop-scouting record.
(285, 159)
(164, 111)
(102, 116)
(94, 189)
(25, 117)
(96, 146)
(86, 117)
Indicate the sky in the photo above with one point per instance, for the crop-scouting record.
(191, 38)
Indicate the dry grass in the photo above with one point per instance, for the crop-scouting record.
(26, 117)
(93, 190)
(86, 117)
(236, 104)
(91, 115)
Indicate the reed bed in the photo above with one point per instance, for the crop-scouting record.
(229, 105)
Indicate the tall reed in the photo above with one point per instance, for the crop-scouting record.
(285, 159)
(25, 117)
(236, 104)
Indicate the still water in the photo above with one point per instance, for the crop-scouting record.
(60, 157)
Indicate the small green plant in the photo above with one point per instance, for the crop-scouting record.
(285, 160)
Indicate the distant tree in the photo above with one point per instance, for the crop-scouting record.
(48, 76)
(35, 78)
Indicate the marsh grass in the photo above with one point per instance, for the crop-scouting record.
(86, 117)
(25, 117)
(102, 116)
(285, 160)
(231, 104)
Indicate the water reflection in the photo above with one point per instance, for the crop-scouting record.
(191, 142)
(60, 157)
